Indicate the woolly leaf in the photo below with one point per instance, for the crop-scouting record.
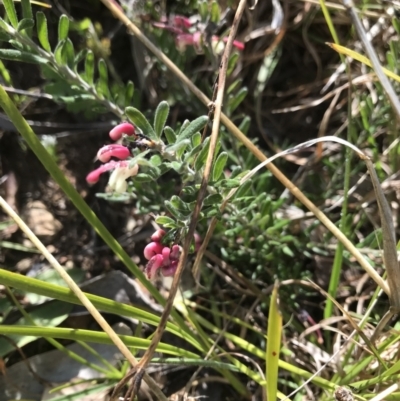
(63, 27)
(215, 12)
(42, 32)
(170, 135)
(166, 222)
(68, 52)
(18, 55)
(102, 83)
(26, 9)
(140, 121)
(201, 158)
(160, 118)
(25, 24)
(129, 91)
(219, 166)
(195, 126)
(89, 67)
(212, 200)
(11, 13)
(237, 99)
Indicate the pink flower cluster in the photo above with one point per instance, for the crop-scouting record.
(162, 257)
(121, 170)
(180, 25)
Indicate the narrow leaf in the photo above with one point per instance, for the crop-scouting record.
(89, 67)
(219, 166)
(170, 135)
(18, 55)
(215, 13)
(160, 118)
(237, 99)
(273, 345)
(201, 158)
(103, 79)
(196, 139)
(138, 119)
(25, 24)
(26, 9)
(212, 200)
(129, 91)
(68, 52)
(361, 59)
(43, 35)
(63, 27)
(195, 126)
(11, 13)
(166, 221)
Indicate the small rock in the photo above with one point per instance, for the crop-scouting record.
(40, 220)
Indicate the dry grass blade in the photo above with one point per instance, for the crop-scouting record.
(373, 57)
(80, 295)
(389, 240)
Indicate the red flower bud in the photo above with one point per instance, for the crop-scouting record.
(123, 128)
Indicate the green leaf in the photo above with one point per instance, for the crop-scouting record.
(215, 12)
(18, 45)
(219, 166)
(80, 56)
(212, 200)
(18, 55)
(129, 91)
(138, 119)
(59, 55)
(184, 125)
(195, 126)
(160, 118)
(203, 10)
(232, 63)
(201, 158)
(89, 67)
(166, 221)
(25, 24)
(237, 99)
(196, 139)
(11, 13)
(243, 190)
(26, 9)
(179, 204)
(143, 177)
(178, 146)
(156, 160)
(102, 84)
(231, 183)
(176, 213)
(170, 135)
(68, 52)
(41, 27)
(63, 27)
(245, 124)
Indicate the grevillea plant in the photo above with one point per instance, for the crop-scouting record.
(156, 165)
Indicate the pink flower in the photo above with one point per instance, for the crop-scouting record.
(117, 181)
(123, 128)
(162, 257)
(109, 151)
(181, 21)
(215, 39)
(152, 249)
(189, 39)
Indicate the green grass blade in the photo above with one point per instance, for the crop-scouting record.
(273, 345)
